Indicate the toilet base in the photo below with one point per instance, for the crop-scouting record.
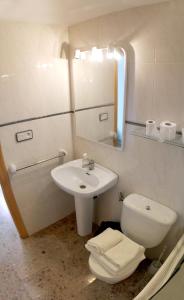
(103, 275)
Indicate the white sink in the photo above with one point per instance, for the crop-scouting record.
(83, 184)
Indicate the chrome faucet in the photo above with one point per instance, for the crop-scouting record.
(90, 164)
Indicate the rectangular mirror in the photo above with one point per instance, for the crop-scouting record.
(99, 92)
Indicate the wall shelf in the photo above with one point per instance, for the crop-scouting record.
(141, 132)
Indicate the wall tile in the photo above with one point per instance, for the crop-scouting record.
(41, 202)
(140, 100)
(153, 37)
(32, 74)
(34, 83)
(169, 92)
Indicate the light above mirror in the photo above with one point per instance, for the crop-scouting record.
(96, 54)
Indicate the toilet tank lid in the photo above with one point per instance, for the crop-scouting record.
(150, 209)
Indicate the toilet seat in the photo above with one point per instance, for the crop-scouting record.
(103, 275)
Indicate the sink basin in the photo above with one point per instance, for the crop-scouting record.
(78, 181)
(83, 184)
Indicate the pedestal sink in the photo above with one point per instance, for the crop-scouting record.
(84, 185)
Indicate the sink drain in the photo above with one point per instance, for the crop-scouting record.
(82, 186)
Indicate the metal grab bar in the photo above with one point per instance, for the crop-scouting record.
(13, 169)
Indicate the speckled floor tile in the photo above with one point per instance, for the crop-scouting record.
(125, 290)
(36, 254)
(44, 284)
(53, 265)
(11, 287)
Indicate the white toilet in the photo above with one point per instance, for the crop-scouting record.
(144, 221)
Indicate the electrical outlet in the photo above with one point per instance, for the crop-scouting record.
(23, 136)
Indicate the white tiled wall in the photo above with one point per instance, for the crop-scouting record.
(153, 39)
(40, 201)
(34, 83)
(33, 78)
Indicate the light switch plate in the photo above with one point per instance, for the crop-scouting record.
(23, 136)
(103, 117)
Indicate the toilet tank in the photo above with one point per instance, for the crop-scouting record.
(146, 221)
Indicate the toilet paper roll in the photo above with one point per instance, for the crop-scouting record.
(150, 127)
(167, 131)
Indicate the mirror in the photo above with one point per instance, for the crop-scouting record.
(99, 89)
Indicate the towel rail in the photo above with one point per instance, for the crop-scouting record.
(13, 169)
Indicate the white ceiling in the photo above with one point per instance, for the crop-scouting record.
(65, 12)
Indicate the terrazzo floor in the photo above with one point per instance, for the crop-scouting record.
(53, 265)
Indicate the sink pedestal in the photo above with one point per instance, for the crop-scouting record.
(84, 185)
(84, 214)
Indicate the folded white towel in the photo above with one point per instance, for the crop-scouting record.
(115, 252)
(105, 263)
(104, 241)
(112, 269)
(123, 253)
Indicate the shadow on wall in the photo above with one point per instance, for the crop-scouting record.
(64, 53)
